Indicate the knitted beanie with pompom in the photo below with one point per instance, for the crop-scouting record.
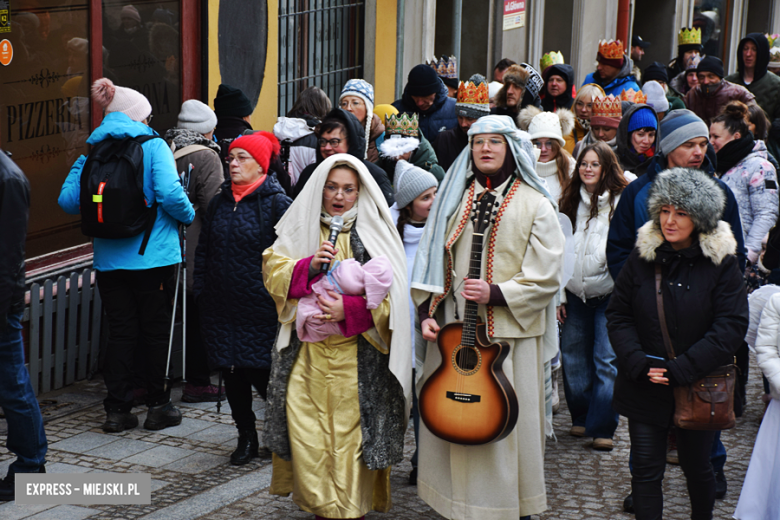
(121, 99)
(262, 146)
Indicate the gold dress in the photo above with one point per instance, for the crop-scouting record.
(326, 473)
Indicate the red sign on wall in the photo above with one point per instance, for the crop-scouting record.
(514, 14)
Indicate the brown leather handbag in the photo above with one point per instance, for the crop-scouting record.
(707, 404)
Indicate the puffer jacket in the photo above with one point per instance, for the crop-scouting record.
(423, 157)
(624, 80)
(448, 146)
(238, 316)
(591, 276)
(754, 183)
(303, 146)
(161, 184)
(441, 116)
(14, 213)
(708, 107)
(768, 344)
(706, 309)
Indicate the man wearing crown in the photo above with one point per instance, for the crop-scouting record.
(688, 44)
(752, 73)
(613, 72)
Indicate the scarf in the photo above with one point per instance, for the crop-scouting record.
(349, 217)
(242, 190)
(584, 123)
(733, 152)
(298, 236)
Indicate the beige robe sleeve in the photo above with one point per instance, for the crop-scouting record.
(277, 276)
(530, 291)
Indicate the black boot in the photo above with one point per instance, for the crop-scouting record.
(721, 486)
(119, 421)
(8, 484)
(628, 504)
(162, 416)
(247, 449)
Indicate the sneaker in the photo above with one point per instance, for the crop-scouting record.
(8, 484)
(721, 486)
(162, 416)
(202, 394)
(577, 431)
(119, 421)
(602, 444)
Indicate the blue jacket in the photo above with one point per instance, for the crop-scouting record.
(440, 117)
(624, 81)
(237, 315)
(161, 183)
(631, 213)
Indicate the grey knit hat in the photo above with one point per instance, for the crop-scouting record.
(197, 116)
(410, 182)
(680, 126)
(691, 190)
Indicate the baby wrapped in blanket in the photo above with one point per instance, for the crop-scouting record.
(372, 279)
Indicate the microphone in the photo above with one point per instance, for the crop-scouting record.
(336, 224)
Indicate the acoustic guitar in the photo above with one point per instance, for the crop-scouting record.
(468, 399)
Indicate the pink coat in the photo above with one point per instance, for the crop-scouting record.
(373, 280)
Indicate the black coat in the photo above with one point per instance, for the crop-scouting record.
(238, 316)
(356, 137)
(706, 312)
(14, 212)
(448, 146)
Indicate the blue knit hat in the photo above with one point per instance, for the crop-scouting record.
(360, 88)
(643, 118)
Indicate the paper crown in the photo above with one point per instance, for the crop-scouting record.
(634, 97)
(611, 50)
(772, 39)
(446, 67)
(473, 94)
(404, 124)
(551, 58)
(689, 36)
(607, 107)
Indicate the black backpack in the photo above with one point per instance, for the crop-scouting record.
(112, 191)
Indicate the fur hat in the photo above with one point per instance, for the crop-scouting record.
(262, 146)
(551, 125)
(121, 99)
(691, 190)
(517, 76)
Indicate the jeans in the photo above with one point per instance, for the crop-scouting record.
(648, 446)
(238, 387)
(138, 307)
(26, 436)
(589, 366)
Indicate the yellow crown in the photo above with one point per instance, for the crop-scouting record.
(473, 94)
(634, 97)
(611, 50)
(405, 125)
(772, 39)
(551, 58)
(689, 36)
(607, 107)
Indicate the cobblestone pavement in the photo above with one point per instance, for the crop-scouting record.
(192, 478)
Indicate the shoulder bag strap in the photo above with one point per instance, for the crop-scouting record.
(659, 299)
(181, 152)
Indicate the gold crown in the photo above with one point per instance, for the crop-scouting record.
(689, 36)
(607, 107)
(611, 50)
(634, 97)
(551, 58)
(473, 94)
(405, 125)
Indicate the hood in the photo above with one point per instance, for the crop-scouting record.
(760, 150)
(441, 98)
(356, 133)
(118, 125)
(182, 137)
(628, 158)
(565, 99)
(293, 128)
(715, 245)
(762, 56)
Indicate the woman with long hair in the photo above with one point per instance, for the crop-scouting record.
(582, 108)
(589, 363)
(555, 165)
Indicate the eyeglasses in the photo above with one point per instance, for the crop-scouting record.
(330, 191)
(355, 103)
(543, 145)
(494, 142)
(332, 142)
(240, 158)
(593, 166)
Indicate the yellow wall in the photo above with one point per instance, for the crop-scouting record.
(215, 78)
(384, 53)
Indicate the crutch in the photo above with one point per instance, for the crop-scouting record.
(186, 184)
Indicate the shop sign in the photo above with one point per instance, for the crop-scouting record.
(5, 17)
(6, 52)
(514, 14)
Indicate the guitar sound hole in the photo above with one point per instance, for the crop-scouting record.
(467, 359)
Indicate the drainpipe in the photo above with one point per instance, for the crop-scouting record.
(399, 48)
(457, 18)
(623, 18)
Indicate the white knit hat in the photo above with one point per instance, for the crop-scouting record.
(410, 182)
(121, 99)
(655, 96)
(546, 124)
(197, 116)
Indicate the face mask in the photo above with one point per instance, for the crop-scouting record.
(709, 90)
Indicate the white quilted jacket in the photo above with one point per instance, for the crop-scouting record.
(768, 344)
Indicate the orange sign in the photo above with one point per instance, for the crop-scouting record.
(6, 52)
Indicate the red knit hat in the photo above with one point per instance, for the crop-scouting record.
(262, 146)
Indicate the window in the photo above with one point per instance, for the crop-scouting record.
(320, 43)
